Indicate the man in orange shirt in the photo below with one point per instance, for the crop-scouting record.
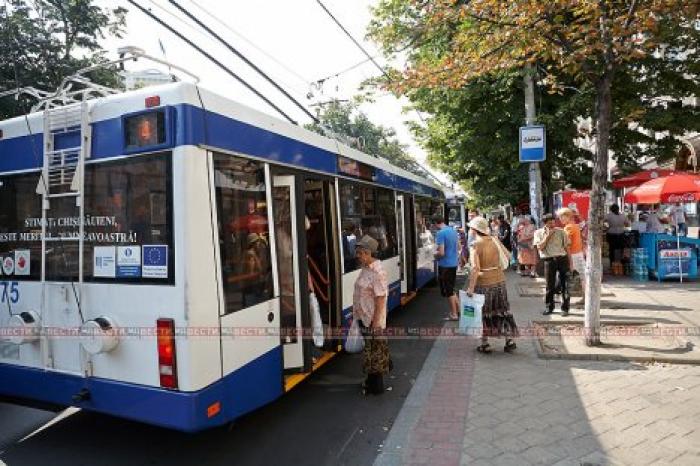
(572, 230)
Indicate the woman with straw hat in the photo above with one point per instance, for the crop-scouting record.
(488, 278)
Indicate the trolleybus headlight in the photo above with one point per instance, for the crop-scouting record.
(99, 335)
(25, 327)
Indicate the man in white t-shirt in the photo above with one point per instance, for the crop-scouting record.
(653, 223)
(678, 220)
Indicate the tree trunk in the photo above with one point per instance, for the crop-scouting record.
(594, 266)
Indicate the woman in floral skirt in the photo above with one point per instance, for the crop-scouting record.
(488, 279)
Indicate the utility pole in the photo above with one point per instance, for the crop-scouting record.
(535, 176)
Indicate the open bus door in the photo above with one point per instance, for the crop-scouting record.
(306, 259)
(404, 242)
(407, 256)
(286, 235)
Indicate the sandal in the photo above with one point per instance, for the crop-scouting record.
(485, 348)
(510, 346)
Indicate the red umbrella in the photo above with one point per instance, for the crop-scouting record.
(636, 179)
(679, 187)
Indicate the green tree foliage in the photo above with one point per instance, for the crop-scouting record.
(472, 130)
(648, 93)
(628, 54)
(472, 134)
(344, 119)
(43, 41)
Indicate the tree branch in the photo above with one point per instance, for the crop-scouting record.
(630, 13)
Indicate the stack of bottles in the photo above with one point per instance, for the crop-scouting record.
(640, 270)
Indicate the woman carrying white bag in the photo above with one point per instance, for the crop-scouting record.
(369, 313)
(489, 260)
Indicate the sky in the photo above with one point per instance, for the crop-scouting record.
(293, 41)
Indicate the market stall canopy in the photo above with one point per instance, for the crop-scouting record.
(636, 179)
(679, 187)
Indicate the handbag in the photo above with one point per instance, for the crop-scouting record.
(316, 322)
(503, 254)
(355, 342)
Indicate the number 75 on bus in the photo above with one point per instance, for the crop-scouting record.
(9, 292)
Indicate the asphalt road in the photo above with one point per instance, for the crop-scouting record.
(324, 420)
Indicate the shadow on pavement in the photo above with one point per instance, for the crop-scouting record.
(325, 420)
(640, 306)
(578, 314)
(526, 410)
(680, 350)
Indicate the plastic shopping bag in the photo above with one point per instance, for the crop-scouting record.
(470, 313)
(316, 322)
(355, 342)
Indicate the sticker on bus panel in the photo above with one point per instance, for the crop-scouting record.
(104, 262)
(155, 261)
(128, 261)
(22, 262)
(8, 265)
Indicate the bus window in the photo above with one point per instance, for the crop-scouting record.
(244, 238)
(425, 209)
(20, 226)
(128, 214)
(367, 210)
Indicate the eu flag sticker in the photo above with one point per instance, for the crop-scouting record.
(155, 261)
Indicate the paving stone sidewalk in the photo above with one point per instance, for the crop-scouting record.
(502, 409)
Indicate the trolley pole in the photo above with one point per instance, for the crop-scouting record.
(535, 176)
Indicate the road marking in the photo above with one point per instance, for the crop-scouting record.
(347, 442)
(63, 415)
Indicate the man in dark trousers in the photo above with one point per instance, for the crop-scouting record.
(552, 244)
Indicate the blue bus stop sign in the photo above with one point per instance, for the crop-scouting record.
(533, 147)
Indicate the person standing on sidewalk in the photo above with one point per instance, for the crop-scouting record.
(514, 226)
(503, 231)
(447, 256)
(577, 261)
(488, 278)
(552, 243)
(463, 248)
(527, 257)
(615, 235)
(369, 306)
(678, 220)
(471, 237)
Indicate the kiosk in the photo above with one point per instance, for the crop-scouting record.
(665, 259)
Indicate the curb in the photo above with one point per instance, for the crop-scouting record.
(542, 353)
(398, 440)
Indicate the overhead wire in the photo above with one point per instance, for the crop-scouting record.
(346, 70)
(251, 43)
(213, 60)
(379, 67)
(176, 17)
(203, 35)
(245, 60)
(350, 36)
